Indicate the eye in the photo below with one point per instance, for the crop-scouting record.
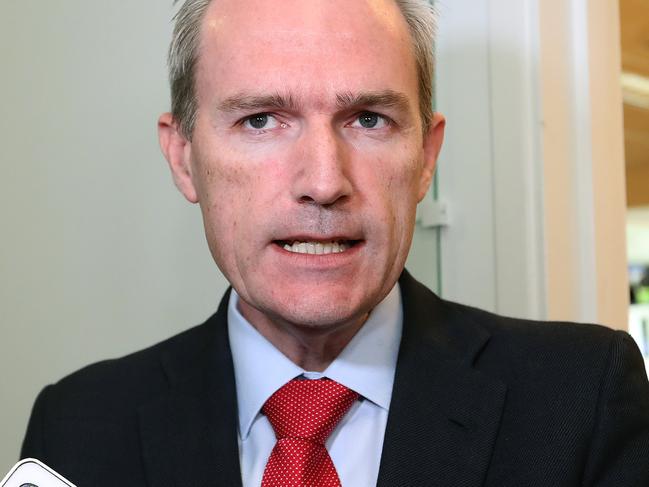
(370, 120)
(261, 121)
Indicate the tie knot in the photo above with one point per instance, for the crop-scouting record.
(308, 409)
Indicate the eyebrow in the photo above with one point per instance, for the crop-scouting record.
(386, 98)
(344, 101)
(242, 102)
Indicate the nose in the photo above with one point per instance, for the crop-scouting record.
(323, 169)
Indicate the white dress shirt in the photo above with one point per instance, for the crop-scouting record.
(366, 365)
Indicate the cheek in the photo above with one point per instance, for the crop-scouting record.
(236, 194)
(390, 187)
(223, 193)
(398, 181)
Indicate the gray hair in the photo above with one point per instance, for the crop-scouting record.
(183, 55)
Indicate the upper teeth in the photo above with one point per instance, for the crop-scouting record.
(316, 247)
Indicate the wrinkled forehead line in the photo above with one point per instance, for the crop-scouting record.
(302, 21)
(231, 31)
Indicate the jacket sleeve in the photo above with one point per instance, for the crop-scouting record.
(619, 449)
(34, 443)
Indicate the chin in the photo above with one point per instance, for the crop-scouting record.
(322, 319)
(325, 312)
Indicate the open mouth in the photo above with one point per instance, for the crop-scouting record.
(317, 247)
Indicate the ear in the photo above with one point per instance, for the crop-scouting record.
(433, 139)
(177, 150)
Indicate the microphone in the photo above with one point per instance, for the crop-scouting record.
(33, 473)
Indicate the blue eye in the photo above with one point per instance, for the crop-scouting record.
(261, 121)
(370, 120)
(258, 121)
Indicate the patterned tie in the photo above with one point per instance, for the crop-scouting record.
(303, 414)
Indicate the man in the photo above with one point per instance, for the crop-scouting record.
(304, 131)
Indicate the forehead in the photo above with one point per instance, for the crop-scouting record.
(314, 47)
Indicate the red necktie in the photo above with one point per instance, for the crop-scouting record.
(303, 414)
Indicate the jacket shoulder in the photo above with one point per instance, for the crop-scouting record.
(118, 385)
(557, 352)
(552, 332)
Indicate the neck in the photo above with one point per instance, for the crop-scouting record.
(312, 348)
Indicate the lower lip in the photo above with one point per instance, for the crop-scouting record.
(321, 260)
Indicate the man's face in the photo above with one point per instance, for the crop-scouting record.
(308, 139)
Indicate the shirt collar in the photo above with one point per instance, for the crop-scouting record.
(366, 365)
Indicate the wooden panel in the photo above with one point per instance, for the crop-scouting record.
(636, 135)
(637, 185)
(634, 16)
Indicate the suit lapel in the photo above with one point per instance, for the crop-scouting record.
(444, 415)
(189, 434)
(443, 421)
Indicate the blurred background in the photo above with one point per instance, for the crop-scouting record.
(536, 210)
(635, 85)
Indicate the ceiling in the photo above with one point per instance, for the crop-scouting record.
(634, 16)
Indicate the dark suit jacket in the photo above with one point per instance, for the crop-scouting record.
(479, 400)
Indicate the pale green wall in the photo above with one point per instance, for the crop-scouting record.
(99, 255)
